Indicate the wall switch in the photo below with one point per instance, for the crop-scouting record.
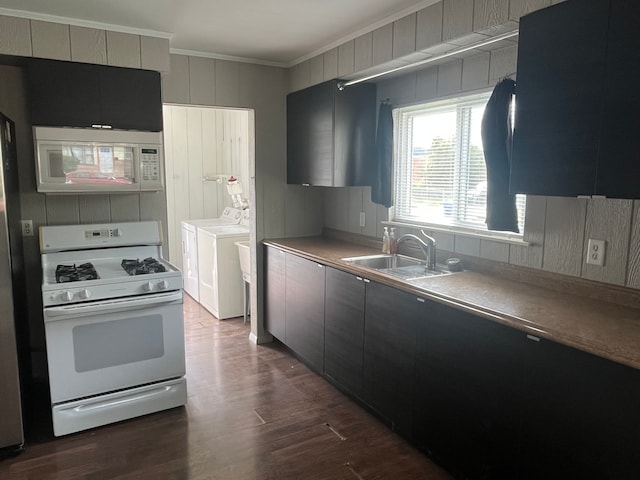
(595, 252)
(27, 228)
(362, 219)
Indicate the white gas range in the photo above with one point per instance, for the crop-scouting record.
(114, 329)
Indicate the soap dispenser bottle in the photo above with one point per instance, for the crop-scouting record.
(393, 242)
(385, 241)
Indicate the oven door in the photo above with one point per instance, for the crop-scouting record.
(99, 347)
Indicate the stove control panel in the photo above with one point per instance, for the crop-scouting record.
(104, 233)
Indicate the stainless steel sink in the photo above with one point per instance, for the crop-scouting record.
(384, 261)
(401, 266)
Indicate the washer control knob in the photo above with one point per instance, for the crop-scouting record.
(85, 294)
(66, 296)
(163, 285)
(147, 287)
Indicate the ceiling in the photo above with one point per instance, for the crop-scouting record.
(278, 32)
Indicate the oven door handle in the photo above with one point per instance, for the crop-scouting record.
(110, 306)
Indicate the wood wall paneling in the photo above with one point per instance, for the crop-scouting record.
(467, 245)
(15, 36)
(382, 42)
(316, 70)
(125, 207)
(62, 210)
(444, 241)
(88, 45)
(496, 251)
(295, 211)
(175, 87)
(457, 19)
(503, 63)
(314, 210)
(475, 72)
(608, 220)
(363, 55)
(174, 250)
(356, 206)
(94, 208)
(154, 53)
(50, 40)
(123, 49)
(211, 191)
(427, 84)
(342, 210)
(202, 81)
(346, 53)
(633, 269)
(534, 229)
(227, 83)
(489, 14)
(330, 61)
(195, 163)
(330, 207)
(449, 78)
(429, 26)
(404, 36)
(371, 220)
(564, 235)
(519, 8)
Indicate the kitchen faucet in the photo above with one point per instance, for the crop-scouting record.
(428, 248)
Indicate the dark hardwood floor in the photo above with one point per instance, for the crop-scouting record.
(254, 412)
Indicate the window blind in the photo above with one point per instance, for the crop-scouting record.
(440, 173)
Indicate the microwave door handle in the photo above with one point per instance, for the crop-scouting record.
(111, 306)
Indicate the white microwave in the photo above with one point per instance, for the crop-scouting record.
(88, 160)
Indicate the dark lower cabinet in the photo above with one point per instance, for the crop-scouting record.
(469, 380)
(304, 297)
(344, 330)
(581, 416)
(274, 293)
(389, 354)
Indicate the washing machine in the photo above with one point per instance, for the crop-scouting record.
(220, 283)
(230, 216)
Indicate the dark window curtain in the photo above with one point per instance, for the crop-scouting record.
(382, 175)
(496, 131)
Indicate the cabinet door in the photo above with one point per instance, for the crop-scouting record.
(344, 330)
(561, 61)
(581, 415)
(274, 293)
(304, 296)
(63, 93)
(469, 381)
(320, 116)
(297, 131)
(389, 354)
(618, 168)
(130, 99)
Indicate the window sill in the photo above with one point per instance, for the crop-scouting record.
(512, 239)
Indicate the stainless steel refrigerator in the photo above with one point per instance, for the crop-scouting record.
(11, 289)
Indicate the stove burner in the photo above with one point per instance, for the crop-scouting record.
(142, 267)
(71, 273)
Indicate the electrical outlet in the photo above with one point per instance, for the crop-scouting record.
(362, 219)
(595, 252)
(27, 228)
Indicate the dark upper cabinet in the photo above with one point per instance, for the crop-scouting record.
(558, 117)
(344, 329)
(72, 94)
(331, 135)
(619, 166)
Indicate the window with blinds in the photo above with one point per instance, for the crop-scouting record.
(440, 173)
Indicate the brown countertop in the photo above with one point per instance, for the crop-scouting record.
(595, 326)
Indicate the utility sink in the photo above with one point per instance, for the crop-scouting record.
(401, 266)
